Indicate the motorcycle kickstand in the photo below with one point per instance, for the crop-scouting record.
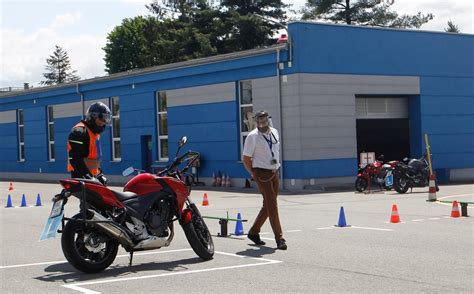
(130, 258)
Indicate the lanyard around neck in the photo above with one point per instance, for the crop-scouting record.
(270, 142)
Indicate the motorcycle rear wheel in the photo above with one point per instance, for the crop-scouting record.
(198, 235)
(401, 185)
(361, 184)
(82, 252)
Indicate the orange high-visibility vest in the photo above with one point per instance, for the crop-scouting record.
(93, 159)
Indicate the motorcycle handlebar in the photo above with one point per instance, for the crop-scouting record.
(190, 157)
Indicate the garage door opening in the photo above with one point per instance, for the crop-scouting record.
(383, 127)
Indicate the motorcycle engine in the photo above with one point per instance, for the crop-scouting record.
(157, 218)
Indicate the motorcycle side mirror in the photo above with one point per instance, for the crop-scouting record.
(182, 142)
(128, 171)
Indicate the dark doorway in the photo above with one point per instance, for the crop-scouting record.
(147, 153)
(390, 137)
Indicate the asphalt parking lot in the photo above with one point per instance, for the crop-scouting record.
(427, 252)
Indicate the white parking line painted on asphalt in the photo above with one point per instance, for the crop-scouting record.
(65, 261)
(434, 218)
(417, 220)
(326, 228)
(289, 231)
(367, 228)
(453, 196)
(79, 286)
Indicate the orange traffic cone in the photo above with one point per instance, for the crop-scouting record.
(205, 201)
(395, 218)
(432, 189)
(11, 187)
(455, 211)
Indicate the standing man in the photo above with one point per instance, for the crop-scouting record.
(261, 159)
(83, 146)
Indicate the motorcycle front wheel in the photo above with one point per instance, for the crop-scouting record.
(198, 235)
(361, 184)
(86, 248)
(401, 185)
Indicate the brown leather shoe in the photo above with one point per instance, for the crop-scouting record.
(281, 244)
(256, 239)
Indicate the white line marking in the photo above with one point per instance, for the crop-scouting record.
(446, 216)
(265, 238)
(33, 264)
(325, 228)
(434, 218)
(417, 220)
(78, 286)
(366, 228)
(65, 261)
(289, 231)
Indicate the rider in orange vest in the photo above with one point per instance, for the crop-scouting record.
(83, 146)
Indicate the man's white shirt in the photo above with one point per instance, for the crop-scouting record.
(258, 148)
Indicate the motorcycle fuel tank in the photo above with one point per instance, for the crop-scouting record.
(143, 184)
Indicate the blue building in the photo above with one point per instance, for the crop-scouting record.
(334, 91)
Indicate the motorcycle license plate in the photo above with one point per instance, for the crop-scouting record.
(54, 220)
(389, 180)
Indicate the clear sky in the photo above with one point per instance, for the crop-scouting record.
(29, 30)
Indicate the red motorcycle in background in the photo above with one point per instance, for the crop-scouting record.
(376, 173)
(139, 218)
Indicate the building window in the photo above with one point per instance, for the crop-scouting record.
(21, 135)
(245, 110)
(116, 150)
(50, 117)
(162, 122)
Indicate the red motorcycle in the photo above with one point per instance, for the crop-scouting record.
(376, 173)
(139, 218)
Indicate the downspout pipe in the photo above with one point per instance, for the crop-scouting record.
(82, 100)
(280, 121)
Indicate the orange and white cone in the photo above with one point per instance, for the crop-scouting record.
(455, 210)
(395, 218)
(205, 201)
(432, 190)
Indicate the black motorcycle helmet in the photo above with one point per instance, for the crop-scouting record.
(99, 111)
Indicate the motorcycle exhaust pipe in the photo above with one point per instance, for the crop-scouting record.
(111, 229)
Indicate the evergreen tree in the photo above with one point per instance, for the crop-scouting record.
(362, 12)
(248, 24)
(58, 68)
(147, 41)
(180, 30)
(452, 28)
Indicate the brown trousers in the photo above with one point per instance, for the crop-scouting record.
(268, 184)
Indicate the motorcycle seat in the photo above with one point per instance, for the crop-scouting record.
(122, 196)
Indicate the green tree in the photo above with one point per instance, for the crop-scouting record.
(147, 41)
(362, 12)
(58, 68)
(180, 30)
(452, 28)
(232, 25)
(248, 24)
